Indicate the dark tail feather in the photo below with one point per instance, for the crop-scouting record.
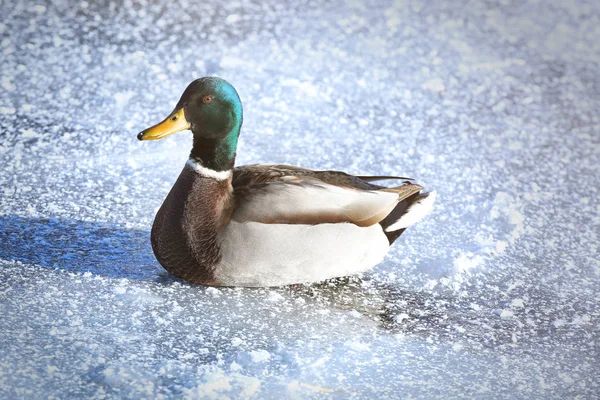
(396, 213)
(408, 212)
(392, 236)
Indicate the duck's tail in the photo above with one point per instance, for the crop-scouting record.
(408, 212)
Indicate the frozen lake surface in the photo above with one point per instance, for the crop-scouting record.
(492, 104)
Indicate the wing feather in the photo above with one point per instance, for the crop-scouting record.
(291, 195)
(382, 178)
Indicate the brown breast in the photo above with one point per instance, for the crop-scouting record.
(185, 229)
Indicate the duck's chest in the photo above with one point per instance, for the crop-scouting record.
(184, 233)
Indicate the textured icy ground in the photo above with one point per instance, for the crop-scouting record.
(493, 104)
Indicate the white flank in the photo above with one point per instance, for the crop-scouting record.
(255, 254)
(209, 173)
(416, 212)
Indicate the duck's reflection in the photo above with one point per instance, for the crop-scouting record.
(427, 315)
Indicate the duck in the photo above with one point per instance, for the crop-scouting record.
(268, 225)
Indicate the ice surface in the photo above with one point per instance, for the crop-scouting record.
(492, 104)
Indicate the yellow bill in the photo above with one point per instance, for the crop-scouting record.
(174, 123)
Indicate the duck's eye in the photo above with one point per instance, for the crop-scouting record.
(207, 99)
(174, 118)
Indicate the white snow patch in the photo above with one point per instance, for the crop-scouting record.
(120, 290)
(304, 86)
(259, 356)
(581, 320)
(232, 18)
(7, 110)
(510, 208)
(29, 133)
(434, 84)
(495, 65)
(518, 303)
(559, 322)
(188, 356)
(357, 345)
(467, 261)
(122, 98)
(507, 314)
(248, 385)
(501, 246)
(516, 217)
(515, 146)
(216, 383)
(214, 292)
(7, 84)
(401, 317)
(274, 297)
(566, 378)
(231, 62)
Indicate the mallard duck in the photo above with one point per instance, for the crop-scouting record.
(267, 225)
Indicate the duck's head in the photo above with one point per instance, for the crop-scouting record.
(211, 108)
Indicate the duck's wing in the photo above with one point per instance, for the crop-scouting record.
(281, 194)
(382, 178)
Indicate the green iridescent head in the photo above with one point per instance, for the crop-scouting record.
(212, 109)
